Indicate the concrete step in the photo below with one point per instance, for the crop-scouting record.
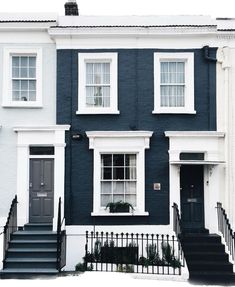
(32, 243)
(34, 235)
(38, 227)
(29, 273)
(210, 266)
(29, 263)
(32, 253)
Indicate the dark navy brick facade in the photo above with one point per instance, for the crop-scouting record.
(135, 103)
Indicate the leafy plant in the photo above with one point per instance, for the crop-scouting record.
(169, 257)
(119, 206)
(125, 268)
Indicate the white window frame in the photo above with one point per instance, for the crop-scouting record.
(188, 59)
(134, 142)
(7, 77)
(83, 58)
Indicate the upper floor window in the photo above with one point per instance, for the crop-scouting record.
(97, 92)
(22, 80)
(173, 83)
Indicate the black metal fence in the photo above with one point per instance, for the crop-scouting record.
(10, 226)
(134, 253)
(61, 240)
(226, 229)
(176, 220)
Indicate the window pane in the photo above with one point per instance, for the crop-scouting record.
(130, 160)
(32, 61)
(118, 173)
(24, 61)
(32, 85)
(24, 96)
(118, 187)
(23, 72)
(16, 85)
(15, 61)
(89, 74)
(118, 160)
(106, 173)
(16, 96)
(106, 187)
(105, 199)
(32, 96)
(106, 102)
(106, 160)
(97, 73)
(131, 173)
(117, 198)
(131, 199)
(24, 85)
(15, 72)
(32, 73)
(130, 187)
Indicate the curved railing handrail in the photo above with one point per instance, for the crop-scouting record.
(176, 220)
(61, 240)
(10, 226)
(225, 228)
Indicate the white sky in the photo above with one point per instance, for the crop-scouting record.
(214, 8)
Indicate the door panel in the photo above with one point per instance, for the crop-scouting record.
(41, 190)
(192, 196)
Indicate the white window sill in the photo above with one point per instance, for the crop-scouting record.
(120, 214)
(98, 112)
(173, 111)
(23, 105)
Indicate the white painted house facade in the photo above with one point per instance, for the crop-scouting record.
(28, 111)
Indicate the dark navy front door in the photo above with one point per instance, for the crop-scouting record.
(192, 197)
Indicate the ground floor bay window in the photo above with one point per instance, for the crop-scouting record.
(119, 170)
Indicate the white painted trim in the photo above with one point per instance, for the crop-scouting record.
(119, 142)
(111, 58)
(41, 128)
(133, 213)
(211, 144)
(194, 134)
(7, 77)
(188, 59)
(39, 136)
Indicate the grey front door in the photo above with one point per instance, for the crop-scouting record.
(41, 190)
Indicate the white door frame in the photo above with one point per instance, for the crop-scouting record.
(39, 136)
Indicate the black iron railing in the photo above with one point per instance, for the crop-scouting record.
(226, 229)
(61, 240)
(135, 253)
(176, 220)
(10, 226)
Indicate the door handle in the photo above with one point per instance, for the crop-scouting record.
(42, 183)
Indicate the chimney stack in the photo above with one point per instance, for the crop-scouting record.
(71, 8)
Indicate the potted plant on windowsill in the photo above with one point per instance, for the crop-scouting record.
(119, 207)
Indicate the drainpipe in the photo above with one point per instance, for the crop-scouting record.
(207, 56)
(223, 54)
(209, 59)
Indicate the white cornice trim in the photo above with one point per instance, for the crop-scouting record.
(41, 128)
(118, 134)
(67, 32)
(194, 134)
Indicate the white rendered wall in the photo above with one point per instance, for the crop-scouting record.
(10, 117)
